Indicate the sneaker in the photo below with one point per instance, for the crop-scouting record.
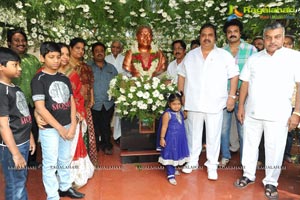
(223, 162)
(212, 174)
(173, 181)
(177, 173)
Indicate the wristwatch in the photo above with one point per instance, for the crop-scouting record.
(232, 96)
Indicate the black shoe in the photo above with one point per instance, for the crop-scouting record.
(72, 193)
(288, 159)
(117, 141)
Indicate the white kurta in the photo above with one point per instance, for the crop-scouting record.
(205, 89)
(206, 79)
(271, 82)
(173, 69)
(117, 62)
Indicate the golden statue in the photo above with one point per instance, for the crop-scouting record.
(144, 58)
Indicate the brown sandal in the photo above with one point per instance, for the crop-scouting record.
(271, 192)
(243, 182)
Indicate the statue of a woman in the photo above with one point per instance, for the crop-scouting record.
(144, 58)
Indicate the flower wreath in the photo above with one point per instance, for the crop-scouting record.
(137, 60)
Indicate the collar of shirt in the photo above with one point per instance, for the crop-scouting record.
(280, 51)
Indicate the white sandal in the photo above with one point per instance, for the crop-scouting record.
(173, 181)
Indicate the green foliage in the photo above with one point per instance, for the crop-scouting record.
(105, 20)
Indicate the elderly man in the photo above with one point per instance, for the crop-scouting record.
(116, 59)
(265, 106)
(203, 80)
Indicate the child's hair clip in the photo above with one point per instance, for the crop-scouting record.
(180, 93)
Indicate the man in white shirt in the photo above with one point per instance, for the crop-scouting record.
(203, 80)
(265, 106)
(116, 59)
(179, 48)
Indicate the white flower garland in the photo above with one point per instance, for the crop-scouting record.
(138, 66)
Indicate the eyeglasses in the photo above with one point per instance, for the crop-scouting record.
(178, 49)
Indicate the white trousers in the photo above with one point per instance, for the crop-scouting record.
(194, 125)
(275, 134)
(117, 126)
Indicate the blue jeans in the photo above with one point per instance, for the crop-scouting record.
(15, 179)
(225, 134)
(56, 153)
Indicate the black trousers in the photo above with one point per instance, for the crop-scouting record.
(102, 120)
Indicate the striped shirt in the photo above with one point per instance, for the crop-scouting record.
(245, 50)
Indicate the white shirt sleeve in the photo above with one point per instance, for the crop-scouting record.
(233, 69)
(245, 73)
(181, 70)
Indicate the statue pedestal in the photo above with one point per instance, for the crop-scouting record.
(137, 146)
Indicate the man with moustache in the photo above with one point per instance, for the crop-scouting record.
(179, 48)
(240, 50)
(203, 80)
(103, 109)
(17, 41)
(258, 42)
(265, 106)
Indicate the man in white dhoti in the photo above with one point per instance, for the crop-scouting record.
(203, 79)
(265, 106)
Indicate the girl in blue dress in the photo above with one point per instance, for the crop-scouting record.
(173, 142)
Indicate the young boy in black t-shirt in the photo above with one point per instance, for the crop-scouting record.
(54, 102)
(15, 125)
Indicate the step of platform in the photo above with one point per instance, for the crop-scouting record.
(139, 156)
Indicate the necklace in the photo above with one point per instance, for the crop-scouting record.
(137, 60)
(178, 115)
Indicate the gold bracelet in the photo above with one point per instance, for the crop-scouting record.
(296, 113)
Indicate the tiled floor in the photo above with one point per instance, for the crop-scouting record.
(116, 181)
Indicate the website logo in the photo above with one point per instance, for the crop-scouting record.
(263, 12)
(234, 13)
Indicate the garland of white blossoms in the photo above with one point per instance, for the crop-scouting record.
(141, 97)
(138, 66)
